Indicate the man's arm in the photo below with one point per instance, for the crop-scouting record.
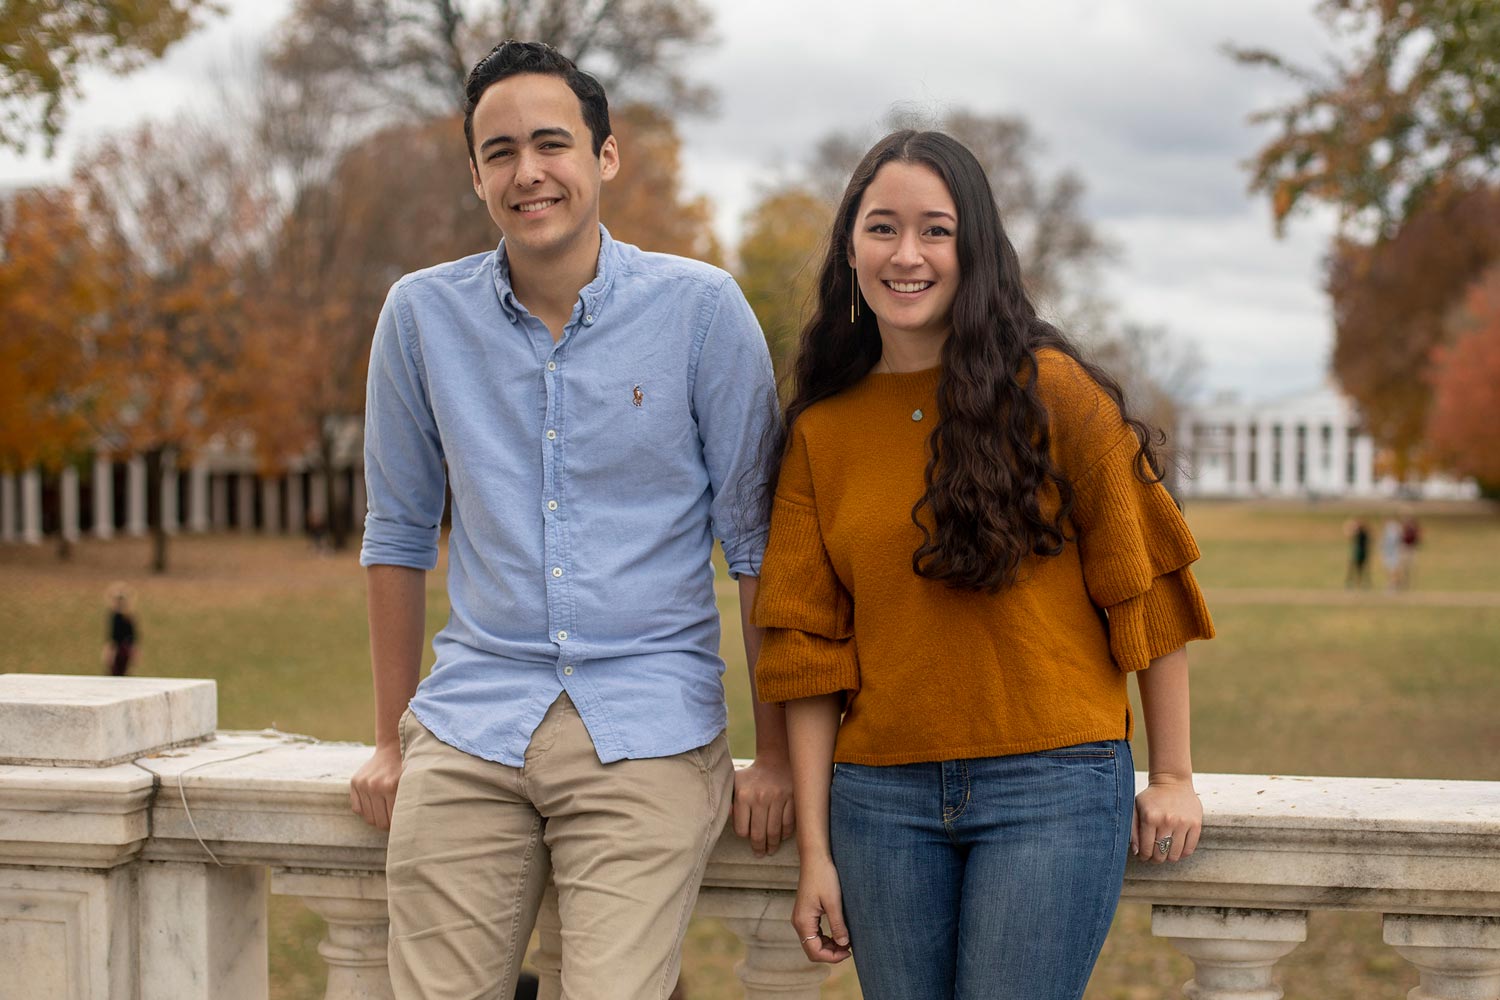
(397, 598)
(763, 791)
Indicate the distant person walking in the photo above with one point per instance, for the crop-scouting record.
(1358, 574)
(1391, 552)
(1411, 537)
(120, 639)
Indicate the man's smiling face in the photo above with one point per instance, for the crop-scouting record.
(535, 167)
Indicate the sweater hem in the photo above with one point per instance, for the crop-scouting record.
(1011, 749)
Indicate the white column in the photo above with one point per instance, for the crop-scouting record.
(244, 502)
(135, 496)
(1242, 458)
(198, 498)
(104, 497)
(1233, 950)
(218, 501)
(1458, 958)
(203, 932)
(1263, 443)
(353, 906)
(296, 515)
(1340, 479)
(1364, 465)
(31, 507)
(7, 507)
(67, 488)
(270, 505)
(1317, 453)
(1289, 457)
(171, 517)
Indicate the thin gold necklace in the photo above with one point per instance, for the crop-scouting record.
(916, 414)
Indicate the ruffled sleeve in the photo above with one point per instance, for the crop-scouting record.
(807, 614)
(1136, 550)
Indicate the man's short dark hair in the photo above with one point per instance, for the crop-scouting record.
(511, 58)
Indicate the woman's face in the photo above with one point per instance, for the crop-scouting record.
(904, 247)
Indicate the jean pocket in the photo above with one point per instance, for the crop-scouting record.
(1103, 749)
(401, 731)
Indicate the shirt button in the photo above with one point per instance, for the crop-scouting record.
(562, 636)
(552, 435)
(557, 571)
(568, 670)
(552, 366)
(589, 319)
(551, 504)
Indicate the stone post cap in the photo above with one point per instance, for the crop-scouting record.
(79, 721)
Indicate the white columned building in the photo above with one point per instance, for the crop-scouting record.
(1304, 445)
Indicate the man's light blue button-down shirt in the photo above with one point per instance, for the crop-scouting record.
(589, 477)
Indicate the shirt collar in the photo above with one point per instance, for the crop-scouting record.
(593, 295)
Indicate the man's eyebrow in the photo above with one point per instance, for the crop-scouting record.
(554, 131)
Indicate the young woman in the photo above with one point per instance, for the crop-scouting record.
(970, 549)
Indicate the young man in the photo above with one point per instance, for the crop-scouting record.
(596, 412)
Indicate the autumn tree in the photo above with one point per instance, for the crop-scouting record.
(45, 45)
(1392, 300)
(52, 290)
(409, 58)
(1410, 106)
(176, 215)
(1464, 425)
(779, 257)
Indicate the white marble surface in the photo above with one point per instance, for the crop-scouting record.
(203, 932)
(67, 720)
(67, 935)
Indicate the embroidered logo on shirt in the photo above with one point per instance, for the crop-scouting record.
(636, 396)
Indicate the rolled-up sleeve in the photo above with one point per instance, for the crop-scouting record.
(734, 402)
(807, 614)
(404, 475)
(1136, 551)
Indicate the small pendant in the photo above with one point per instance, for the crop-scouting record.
(916, 414)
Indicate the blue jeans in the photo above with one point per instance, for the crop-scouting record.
(987, 879)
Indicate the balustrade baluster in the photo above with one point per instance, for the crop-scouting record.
(1233, 950)
(1458, 957)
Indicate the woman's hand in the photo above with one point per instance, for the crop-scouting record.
(1167, 813)
(818, 896)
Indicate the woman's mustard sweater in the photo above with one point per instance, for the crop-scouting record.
(933, 673)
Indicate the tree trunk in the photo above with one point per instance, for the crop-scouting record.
(154, 507)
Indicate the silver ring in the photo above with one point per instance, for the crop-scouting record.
(811, 937)
(1164, 845)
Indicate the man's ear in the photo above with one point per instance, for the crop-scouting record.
(609, 158)
(474, 176)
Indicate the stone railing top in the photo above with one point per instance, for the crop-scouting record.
(77, 721)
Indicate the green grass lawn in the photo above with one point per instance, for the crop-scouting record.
(1373, 687)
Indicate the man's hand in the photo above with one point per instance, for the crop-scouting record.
(372, 790)
(763, 804)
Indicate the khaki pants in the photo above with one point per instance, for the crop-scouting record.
(472, 842)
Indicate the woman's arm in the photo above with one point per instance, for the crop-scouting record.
(811, 725)
(1168, 807)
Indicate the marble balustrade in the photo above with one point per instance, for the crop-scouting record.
(137, 846)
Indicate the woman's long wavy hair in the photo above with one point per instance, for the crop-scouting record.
(989, 467)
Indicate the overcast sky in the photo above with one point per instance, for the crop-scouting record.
(1133, 95)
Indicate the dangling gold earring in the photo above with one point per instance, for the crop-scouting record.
(853, 294)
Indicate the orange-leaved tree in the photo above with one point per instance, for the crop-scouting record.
(779, 257)
(177, 215)
(1391, 301)
(53, 286)
(1464, 425)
